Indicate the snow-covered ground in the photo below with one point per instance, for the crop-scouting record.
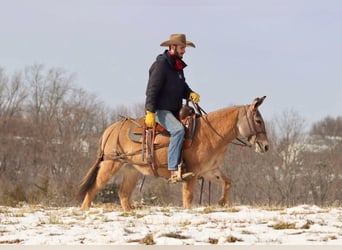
(107, 224)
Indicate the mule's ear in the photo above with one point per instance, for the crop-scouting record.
(257, 102)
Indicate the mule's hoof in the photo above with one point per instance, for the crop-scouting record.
(222, 202)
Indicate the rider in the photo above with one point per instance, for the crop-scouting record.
(164, 93)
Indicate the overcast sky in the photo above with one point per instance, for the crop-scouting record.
(288, 50)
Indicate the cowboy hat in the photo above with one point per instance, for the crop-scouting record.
(177, 39)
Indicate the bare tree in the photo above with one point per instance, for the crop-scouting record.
(287, 148)
(323, 162)
(12, 95)
(57, 131)
(271, 179)
(328, 127)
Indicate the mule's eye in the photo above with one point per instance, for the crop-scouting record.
(258, 121)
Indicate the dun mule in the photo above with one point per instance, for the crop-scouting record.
(214, 132)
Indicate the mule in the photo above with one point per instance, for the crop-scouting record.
(204, 158)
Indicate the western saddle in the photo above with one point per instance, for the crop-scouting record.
(158, 136)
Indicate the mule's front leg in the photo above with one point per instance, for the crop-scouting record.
(188, 192)
(219, 177)
(225, 184)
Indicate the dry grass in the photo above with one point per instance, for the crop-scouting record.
(284, 225)
(55, 219)
(175, 236)
(213, 241)
(147, 240)
(307, 225)
(213, 209)
(16, 241)
(247, 232)
(233, 239)
(272, 208)
(233, 210)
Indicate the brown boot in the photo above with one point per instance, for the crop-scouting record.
(183, 172)
(178, 176)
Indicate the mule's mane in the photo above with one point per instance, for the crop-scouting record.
(225, 111)
(220, 123)
(228, 114)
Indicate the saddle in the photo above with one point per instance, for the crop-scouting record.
(187, 116)
(151, 138)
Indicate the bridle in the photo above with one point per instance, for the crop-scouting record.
(252, 128)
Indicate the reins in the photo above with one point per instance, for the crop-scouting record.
(200, 111)
(240, 143)
(198, 108)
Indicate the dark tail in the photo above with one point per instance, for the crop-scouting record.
(90, 178)
(88, 181)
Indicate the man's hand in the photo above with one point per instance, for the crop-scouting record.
(150, 119)
(194, 97)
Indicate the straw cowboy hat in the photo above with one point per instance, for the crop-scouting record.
(178, 39)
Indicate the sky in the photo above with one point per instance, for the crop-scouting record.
(288, 50)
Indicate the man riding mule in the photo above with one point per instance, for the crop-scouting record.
(164, 93)
(212, 135)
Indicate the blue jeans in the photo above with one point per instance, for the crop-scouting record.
(177, 131)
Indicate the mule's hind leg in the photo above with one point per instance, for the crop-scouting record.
(107, 169)
(128, 183)
(225, 185)
(219, 177)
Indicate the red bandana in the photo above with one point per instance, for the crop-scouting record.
(179, 64)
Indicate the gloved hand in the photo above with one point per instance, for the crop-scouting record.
(195, 97)
(150, 119)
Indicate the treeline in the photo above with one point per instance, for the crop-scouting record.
(49, 132)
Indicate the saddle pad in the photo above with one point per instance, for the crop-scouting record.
(137, 129)
(162, 135)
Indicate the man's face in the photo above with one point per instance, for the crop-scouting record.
(178, 50)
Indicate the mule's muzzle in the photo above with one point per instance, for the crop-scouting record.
(261, 147)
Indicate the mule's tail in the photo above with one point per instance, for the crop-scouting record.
(90, 178)
(87, 182)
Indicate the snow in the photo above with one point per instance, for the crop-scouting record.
(109, 225)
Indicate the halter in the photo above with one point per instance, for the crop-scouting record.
(252, 128)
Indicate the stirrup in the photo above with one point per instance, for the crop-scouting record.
(180, 177)
(184, 177)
